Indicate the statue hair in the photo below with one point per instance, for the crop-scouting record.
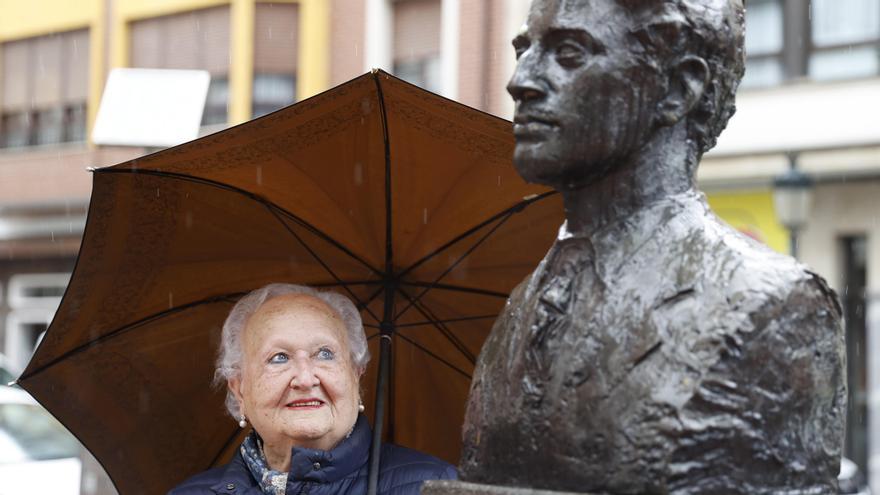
(230, 353)
(710, 29)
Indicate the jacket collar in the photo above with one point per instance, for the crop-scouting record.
(306, 465)
(329, 466)
(617, 244)
(236, 479)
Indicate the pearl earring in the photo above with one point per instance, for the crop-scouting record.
(361, 407)
(242, 422)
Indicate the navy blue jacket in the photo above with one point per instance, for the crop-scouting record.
(342, 471)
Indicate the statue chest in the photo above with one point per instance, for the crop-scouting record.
(591, 375)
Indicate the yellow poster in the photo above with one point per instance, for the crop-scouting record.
(752, 213)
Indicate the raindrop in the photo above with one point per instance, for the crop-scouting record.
(499, 181)
(170, 300)
(189, 220)
(259, 175)
(425, 216)
(358, 173)
(157, 192)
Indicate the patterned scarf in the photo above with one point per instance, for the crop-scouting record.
(271, 482)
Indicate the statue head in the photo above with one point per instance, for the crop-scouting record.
(597, 80)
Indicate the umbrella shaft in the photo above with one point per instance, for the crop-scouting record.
(379, 417)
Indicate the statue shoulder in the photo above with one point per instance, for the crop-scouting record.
(777, 390)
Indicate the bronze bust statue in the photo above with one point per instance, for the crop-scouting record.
(654, 349)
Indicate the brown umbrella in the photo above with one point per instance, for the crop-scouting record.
(400, 199)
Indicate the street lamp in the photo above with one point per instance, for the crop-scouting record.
(792, 197)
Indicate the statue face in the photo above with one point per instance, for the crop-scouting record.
(584, 102)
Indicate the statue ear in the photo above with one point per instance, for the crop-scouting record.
(687, 82)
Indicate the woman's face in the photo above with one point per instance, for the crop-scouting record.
(298, 385)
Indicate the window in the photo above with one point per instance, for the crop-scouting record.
(15, 129)
(272, 91)
(216, 102)
(853, 299)
(192, 40)
(764, 43)
(822, 39)
(416, 51)
(846, 39)
(275, 57)
(44, 84)
(32, 299)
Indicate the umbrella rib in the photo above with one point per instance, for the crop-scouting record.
(513, 209)
(201, 180)
(361, 305)
(451, 320)
(333, 242)
(453, 265)
(458, 288)
(223, 448)
(389, 249)
(435, 356)
(443, 329)
(373, 296)
(356, 282)
(319, 260)
(131, 326)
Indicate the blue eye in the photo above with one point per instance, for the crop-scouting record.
(279, 358)
(326, 354)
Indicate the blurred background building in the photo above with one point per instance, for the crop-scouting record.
(810, 102)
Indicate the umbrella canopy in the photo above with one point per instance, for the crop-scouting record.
(400, 199)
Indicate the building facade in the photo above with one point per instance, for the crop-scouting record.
(810, 97)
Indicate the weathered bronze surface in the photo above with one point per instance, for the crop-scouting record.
(655, 349)
(451, 487)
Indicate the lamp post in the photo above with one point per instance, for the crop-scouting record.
(792, 198)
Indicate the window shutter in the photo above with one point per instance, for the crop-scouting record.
(275, 38)
(46, 69)
(15, 75)
(76, 58)
(192, 40)
(146, 44)
(416, 29)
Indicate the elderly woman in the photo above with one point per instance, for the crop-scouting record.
(292, 358)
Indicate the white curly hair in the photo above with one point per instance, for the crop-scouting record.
(230, 353)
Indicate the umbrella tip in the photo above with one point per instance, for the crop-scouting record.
(12, 383)
(91, 169)
(374, 70)
(530, 197)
